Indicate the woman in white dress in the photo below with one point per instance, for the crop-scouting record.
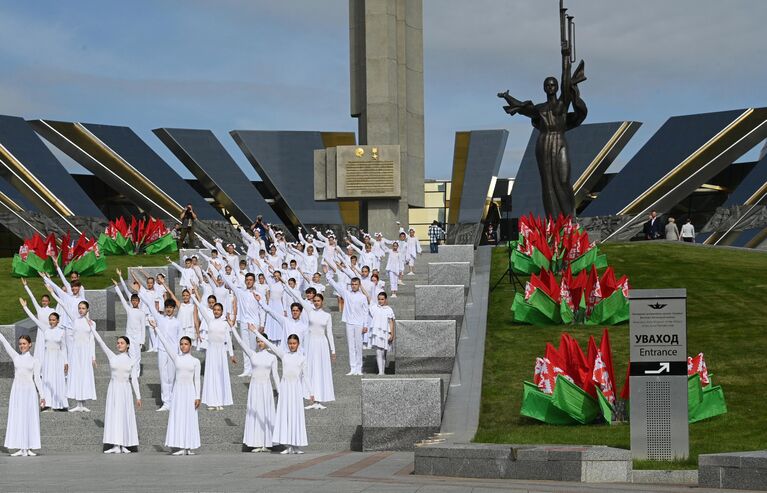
(259, 414)
(273, 329)
(51, 352)
(119, 416)
(296, 323)
(380, 324)
(320, 351)
(186, 315)
(217, 388)
(394, 266)
(183, 426)
(22, 430)
(135, 325)
(290, 422)
(81, 385)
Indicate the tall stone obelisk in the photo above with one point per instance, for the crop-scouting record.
(386, 68)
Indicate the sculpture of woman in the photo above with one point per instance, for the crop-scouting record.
(552, 120)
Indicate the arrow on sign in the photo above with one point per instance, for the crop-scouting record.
(664, 368)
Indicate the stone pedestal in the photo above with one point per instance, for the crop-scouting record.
(398, 412)
(450, 273)
(440, 302)
(588, 464)
(456, 253)
(102, 307)
(425, 346)
(736, 470)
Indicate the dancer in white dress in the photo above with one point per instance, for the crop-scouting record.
(51, 352)
(380, 333)
(183, 425)
(320, 352)
(42, 310)
(394, 268)
(135, 325)
(413, 250)
(22, 430)
(259, 414)
(81, 384)
(217, 387)
(290, 421)
(120, 429)
(296, 323)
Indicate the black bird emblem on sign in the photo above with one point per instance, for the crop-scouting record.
(657, 306)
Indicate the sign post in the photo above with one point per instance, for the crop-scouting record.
(658, 374)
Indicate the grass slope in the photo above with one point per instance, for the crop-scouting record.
(11, 288)
(726, 315)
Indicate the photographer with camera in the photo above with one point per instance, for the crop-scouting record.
(187, 217)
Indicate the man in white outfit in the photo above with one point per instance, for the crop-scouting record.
(355, 316)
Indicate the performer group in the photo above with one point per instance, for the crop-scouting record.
(271, 303)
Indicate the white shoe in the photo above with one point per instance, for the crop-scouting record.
(393, 295)
(411, 273)
(317, 405)
(212, 408)
(286, 451)
(20, 453)
(113, 450)
(189, 452)
(179, 452)
(351, 372)
(163, 408)
(75, 409)
(31, 454)
(257, 450)
(243, 375)
(47, 410)
(125, 450)
(84, 410)
(220, 408)
(297, 450)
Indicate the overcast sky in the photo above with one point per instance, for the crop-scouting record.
(283, 65)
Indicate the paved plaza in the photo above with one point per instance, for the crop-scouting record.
(335, 472)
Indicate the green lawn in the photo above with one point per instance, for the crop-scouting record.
(726, 314)
(11, 288)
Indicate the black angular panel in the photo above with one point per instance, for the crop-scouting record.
(204, 155)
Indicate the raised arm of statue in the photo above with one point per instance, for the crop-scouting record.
(526, 108)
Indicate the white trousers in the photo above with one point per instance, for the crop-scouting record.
(248, 338)
(153, 342)
(167, 376)
(354, 340)
(393, 281)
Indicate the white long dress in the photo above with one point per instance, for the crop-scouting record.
(259, 415)
(183, 425)
(273, 328)
(119, 414)
(22, 430)
(319, 345)
(51, 352)
(378, 327)
(81, 385)
(217, 387)
(290, 421)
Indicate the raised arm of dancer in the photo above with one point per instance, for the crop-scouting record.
(301, 237)
(31, 296)
(8, 348)
(251, 354)
(47, 280)
(150, 303)
(173, 297)
(127, 291)
(279, 317)
(203, 313)
(108, 352)
(72, 316)
(354, 247)
(40, 326)
(356, 242)
(207, 244)
(174, 264)
(63, 278)
(340, 289)
(277, 351)
(125, 304)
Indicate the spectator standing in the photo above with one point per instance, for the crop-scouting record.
(672, 231)
(652, 228)
(688, 232)
(261, 227)
(436, 233)
(491, 235)
(188, 218)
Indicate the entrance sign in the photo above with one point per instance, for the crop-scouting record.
(658, 374)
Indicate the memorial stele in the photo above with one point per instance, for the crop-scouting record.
(386, 70)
